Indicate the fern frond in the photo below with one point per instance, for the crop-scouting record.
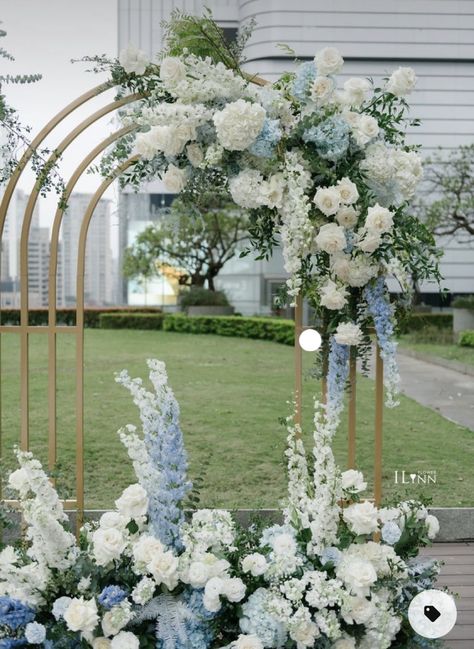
(171, 615)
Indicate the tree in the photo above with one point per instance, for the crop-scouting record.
(197, 241)
(451, 182)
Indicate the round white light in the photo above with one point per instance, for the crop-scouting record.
(310, 340)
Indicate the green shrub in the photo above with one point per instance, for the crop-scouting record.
(418, 321)
(466, 338)
(198, 296)
(131, 320)
(464, 302)
(67, 316)
(432, 335)
(281, 331)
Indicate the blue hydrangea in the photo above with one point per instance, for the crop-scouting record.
(256, 620)
(60, 606)
(305, 75)
(331, 555)
(11, 643)
(338, 370)
(35, 633)
(14, 614)
(331, 138)
(268, 138)
(111, 596)
(391, 533)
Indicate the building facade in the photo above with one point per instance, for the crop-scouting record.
(374, 36)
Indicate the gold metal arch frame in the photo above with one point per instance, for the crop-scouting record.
(51, 330)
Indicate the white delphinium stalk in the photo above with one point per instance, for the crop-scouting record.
(296, 510)
(51, 545)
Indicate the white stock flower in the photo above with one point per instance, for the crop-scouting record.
(133, 503)
(327, 199)
(125, 640)
(254, 563)
(365, 129)
(19, 481)
(353, 480)
(357, 610)
(239, 124)
(134, 60)
(143, 591)
(362, 518)
(248, 642)
(355, 91)
(347, 216)
(174, 179)
(347, 191)
(333, 297)
(108, 544)
(172, 71)
(379, 219)
(432, 524)
(322, 90)
(331, 238)
(348, 333)
(358, 574)
(195, 154)
(328, 61)
(81, 615)
(401, 82)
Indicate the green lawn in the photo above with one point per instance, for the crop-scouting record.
(450, 352)
(232, 393)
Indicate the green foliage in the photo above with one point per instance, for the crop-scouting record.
(131, 320)
(67, 316)
(420, 321)
(431, 334)
(466, 338)
(464, 302)
(199, 296)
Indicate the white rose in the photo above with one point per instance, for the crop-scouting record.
(322, 90)
(108, 544)
(145, 549)
(133, 502)
(353, 481)
(272, 191)
(212, 592)
(368, 241)
(19, 481)
(379, 219)
(347, 191)
(164, 567)
(172, 71)
(284, 544)
(362, 518)
(327, 199)
(401, 82)
(113, 520)
(195, 154)
(101, 643)
(345, 643)
(145, 145)
(246, 188)
(356, 91)
(331, 238)
(248, 642)
(133, 60)
(365, 130)
(239, 124)
(125, 640)
(174, 179)
(167, 139)
(347, 216)
(357, 610)
(351, 117)
(348, 333)
(432, 524)
(328, 61)
(81, 615)
(254, 563)
(358, 575)
(198, 574)
(304, 633)
(234, 589)
(387, 514)
(332, 296)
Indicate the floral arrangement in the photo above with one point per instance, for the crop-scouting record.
(144, 576)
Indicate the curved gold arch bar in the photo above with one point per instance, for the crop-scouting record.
(52, 279)
(81, 261)
(45, 131)
(25, 230)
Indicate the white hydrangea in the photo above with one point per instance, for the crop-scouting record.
(238, 124)
(125, 640)
(348, 333)
(143, 591)
(117, 618)
(209, 529)
(332, 296)
(246, 188)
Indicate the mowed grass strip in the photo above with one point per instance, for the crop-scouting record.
(232, 393)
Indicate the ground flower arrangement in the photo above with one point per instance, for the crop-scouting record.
(144, 576)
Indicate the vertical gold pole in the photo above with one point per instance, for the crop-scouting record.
(379, 396)
(351, 455)
(298, 360)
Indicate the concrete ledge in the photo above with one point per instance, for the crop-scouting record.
(464, 368)
(456, 523)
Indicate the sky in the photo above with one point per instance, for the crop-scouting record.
(44, 35)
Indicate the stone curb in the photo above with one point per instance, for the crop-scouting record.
(464, 368)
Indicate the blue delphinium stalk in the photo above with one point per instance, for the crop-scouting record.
(338, 371)
(159, 413)
(331, 138)
(305, 75)
(111, 596)
(14, 614)
(268, 138)
(382, 312)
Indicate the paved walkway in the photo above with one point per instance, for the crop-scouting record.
(447, 391)
(458, 575)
